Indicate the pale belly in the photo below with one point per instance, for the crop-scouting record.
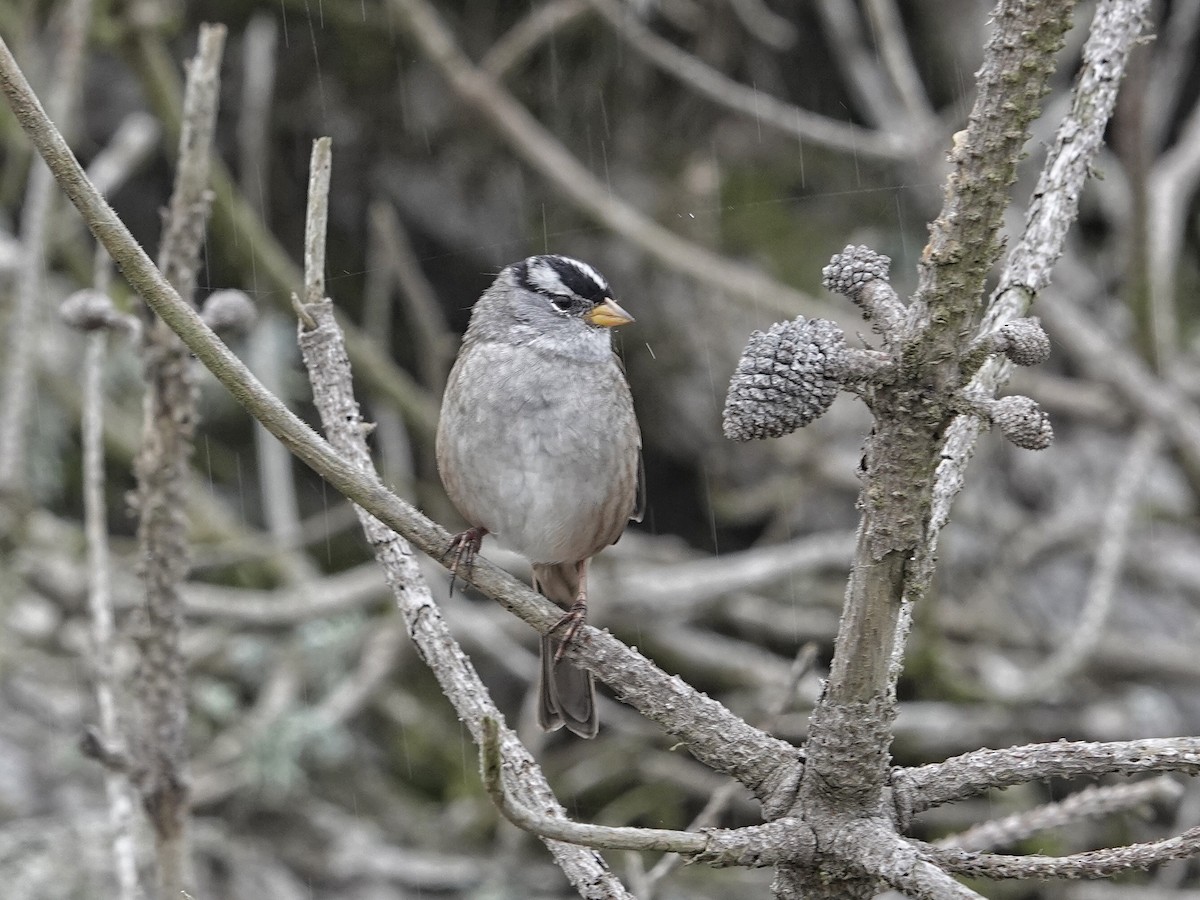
(546, 468)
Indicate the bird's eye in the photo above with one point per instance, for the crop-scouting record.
(563, 303)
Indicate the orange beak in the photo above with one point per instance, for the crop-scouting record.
(608, 315)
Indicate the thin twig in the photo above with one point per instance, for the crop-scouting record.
(1092, 802)
(1170, 187)
(244, 238)
(1086, 342)
(17, 381)
(1174, 57)
(432, 341)
(665, 590)
(747, 101)
(316, 220)
(381, 653)
(254, 110)
(1073, 653)
(320, 597)
(126, 151)
(765, 24)
(756, 845)
(898, 60)
(859, 65)
(271, 349)
(329, 371)
(95, 513)
(222, 768)
(281, 508)
(541, 23)
(530, 140)
(720, 799)
(562, 829)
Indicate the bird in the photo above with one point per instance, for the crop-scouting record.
(538, 445)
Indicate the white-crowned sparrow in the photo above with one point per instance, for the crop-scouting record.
(538, 445)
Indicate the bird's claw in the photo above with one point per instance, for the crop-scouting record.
(575, 616)
(464, 547)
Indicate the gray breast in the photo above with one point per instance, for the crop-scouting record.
(547, 453)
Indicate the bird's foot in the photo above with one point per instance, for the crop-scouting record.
(464, 547)
(576, 616)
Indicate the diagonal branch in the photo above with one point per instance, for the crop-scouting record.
(871, 846)
(745, 101)
(533, 143)
(519, 41)
(245, 239)
(1092, 864)
(1085, 634)
(328, 364)
(1092, 802)
(1052, 210)
(17, 377)
(964, 240)
(755, 845)
(714, 735)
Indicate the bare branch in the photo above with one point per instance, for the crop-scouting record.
(254, 110)
(520, 40)
(559, 828)
(159, 741)
(974, 773)
(870, 846)
(316, 221)
(746, 101)
(1073, 653)
(116, 783)
(238, 224)
(1170, 187)
(888, 28)
(759, 845)
(333, 394)
(767, 766)
(964, 239)
(859, 65)
(693, 584)
(432, 340)
(330, 595)
(1053, 208)
(16, 380)
(532, 142)
(764, 24)
(720, 799)
(1173, 59)
(1092, 802)
(1054, 205)
(1153, 397)
(1093, 864)
(130, 146)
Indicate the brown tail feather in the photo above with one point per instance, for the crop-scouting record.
(566, 694)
